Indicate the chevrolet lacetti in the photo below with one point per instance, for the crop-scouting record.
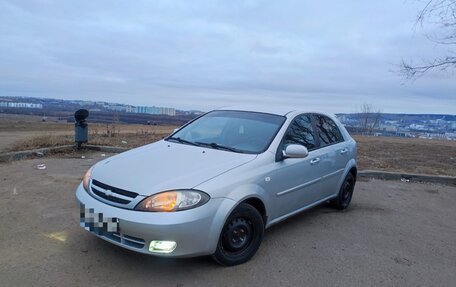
(214, 185)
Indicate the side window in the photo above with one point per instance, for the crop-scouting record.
(328, 131)
(300, 132)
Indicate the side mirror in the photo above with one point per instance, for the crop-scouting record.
(295, 151)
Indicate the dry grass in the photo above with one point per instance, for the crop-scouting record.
(437, 157)
(34, 124)
(22, 132)
(42, 142)
(109, 135)
(15, 123)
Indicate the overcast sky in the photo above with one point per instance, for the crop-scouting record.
(329, 55)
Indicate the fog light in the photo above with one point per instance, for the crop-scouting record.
(158, 246)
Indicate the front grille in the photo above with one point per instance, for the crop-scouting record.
(112, 193)
(125, 239)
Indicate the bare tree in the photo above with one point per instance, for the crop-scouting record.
(369, 118)
(442, 13)
(113, 129)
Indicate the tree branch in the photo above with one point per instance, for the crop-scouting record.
(410, 71)
(442, 12)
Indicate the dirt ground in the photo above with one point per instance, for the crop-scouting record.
(394, 234)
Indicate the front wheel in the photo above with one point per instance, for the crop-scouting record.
(241, 236)
(343, 199)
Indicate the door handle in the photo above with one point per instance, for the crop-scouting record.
(344, 151)
(315, 161)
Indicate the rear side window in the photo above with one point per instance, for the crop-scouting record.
(328, 131)
(300, 132)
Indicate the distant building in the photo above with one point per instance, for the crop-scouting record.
(391, 122)
(388, 128)
(130, 109)
(168, 111)
(21, 105)
(417, 127)
(147, 110)
(155, 110)
(450, 136)
(117, 108)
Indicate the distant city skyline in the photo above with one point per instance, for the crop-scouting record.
(27, 102)
(332, 56)
(426, 126)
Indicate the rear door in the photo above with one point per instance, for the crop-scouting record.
(334, 151)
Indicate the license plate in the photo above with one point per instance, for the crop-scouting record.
(95, 222)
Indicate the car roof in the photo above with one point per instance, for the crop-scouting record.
(276, 110)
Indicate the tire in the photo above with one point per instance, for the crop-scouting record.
(343, 199)
(241, 236)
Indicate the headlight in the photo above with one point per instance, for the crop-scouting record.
(173, 201)
(86, 179)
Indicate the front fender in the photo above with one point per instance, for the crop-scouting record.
(234, 198)
(248, 191)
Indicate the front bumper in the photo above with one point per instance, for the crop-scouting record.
(196, 231)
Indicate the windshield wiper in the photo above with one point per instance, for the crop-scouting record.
(221, 147)
(179, 140)
(212, 145)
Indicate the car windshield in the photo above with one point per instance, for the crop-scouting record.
(236, 131)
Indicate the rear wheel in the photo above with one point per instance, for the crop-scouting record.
(343, 199)
(241, 236)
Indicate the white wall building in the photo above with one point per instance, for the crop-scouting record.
(21, 105)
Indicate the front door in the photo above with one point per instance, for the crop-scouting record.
(297, 178)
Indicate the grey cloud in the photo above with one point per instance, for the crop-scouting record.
(333, 55)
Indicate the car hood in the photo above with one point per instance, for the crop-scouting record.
(165, 166)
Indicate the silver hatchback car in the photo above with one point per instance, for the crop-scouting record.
(214, 185)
